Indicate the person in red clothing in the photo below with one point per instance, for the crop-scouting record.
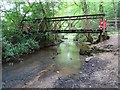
(102, 24)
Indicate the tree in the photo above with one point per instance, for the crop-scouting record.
(115, 14)
(101, 8)
(118, 14)
(86, 22)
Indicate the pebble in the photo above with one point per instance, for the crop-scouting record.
(93, 65)
(88, 43)
(83, 86)
(117, 49)
(92, 54)
(21, 61)
(69, 76)
(88, 59)
(53, 57)
(116, 53)
(90, 86)
(58, 72)
(80, 72)
(59, 78)
(3, 83)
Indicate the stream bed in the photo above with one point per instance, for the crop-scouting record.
(65, 57)
(62, 66)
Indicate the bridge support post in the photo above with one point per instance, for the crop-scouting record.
(105, 35)
(101, 39)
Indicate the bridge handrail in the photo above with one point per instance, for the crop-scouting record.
(96, 16)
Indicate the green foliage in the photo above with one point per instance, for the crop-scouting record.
(7, 48)
(16, 43)
(26, 8)
(32, 44)
(10, 50)
(80, 38)
(118, 9)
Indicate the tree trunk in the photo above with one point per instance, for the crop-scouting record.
(85, 12)
(115, 14)
(101, 8)
(118, 14)
(21, 22)
(86, 22)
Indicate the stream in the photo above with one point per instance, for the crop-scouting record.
(65, 57)
(69, 68)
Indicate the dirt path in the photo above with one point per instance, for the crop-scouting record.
(101, 71)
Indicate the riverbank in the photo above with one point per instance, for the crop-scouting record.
(24, 56)
(61, 66)
(100, 71)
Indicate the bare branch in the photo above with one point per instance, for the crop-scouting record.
(76, 4)
(21, 23)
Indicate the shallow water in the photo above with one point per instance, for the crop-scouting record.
(67, 62)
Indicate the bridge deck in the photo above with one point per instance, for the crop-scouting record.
(74, 31)
(64, 18)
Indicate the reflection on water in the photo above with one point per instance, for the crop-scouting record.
(68, 61)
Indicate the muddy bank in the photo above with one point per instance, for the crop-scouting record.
(81, 80)
(99, 72)
(18, 74)
(14, 60)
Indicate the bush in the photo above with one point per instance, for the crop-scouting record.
(80, 38)
(10, 50)
(7, 48)
(32, 44)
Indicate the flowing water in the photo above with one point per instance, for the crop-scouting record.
(67, 62)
